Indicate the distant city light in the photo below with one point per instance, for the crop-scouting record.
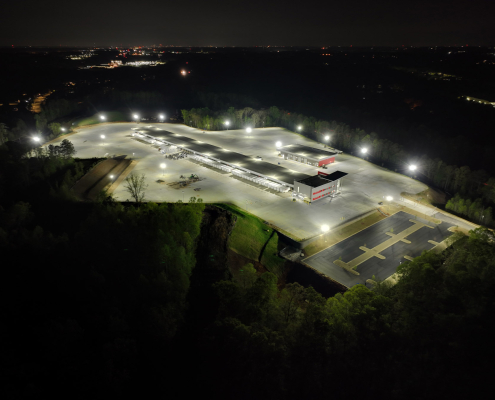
(248, 130)
(389, 198)
(412, 167)
(278, 144)
(325, 228)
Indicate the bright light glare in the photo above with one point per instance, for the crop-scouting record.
(111, 176)
(227, 123)
(278, 144)
(162, 116)
(412, 167)
(325, 228)
(162, 166)
(248, 130)
(62, 129)
(36, 139)
(327, 137)
(102, 117)
(299, 127)
(136, 116)
(102, 136)
(389, 198)
(183, 72)
(364, 151)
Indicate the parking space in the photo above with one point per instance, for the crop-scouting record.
(379, 249)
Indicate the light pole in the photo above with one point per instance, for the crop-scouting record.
(248, 129)
(389, 199)
(326, 138)
(299, 128)
(325, 229)
(278, 145)
(227, 123)
(161, 117)
(136, 117)
(163, 166)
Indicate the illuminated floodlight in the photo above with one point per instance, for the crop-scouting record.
(36, 139)
(227, 123)
(325, 228)
(183, 72)
(412, 167)
(327, 137)
(299, 127)
(102, 136)
(389, 198)
(102, 117)
(111, 176)
(249, 130)
(162, 166)
(161, 116)
(62, 129)
(136, 116)
(364, 151)
(278, 145)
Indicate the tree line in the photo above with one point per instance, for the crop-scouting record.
(433, 171)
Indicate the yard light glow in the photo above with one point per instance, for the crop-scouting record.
(248, 130)
(327, 137)
(102, 117)
(162, 117)
(163, 166)
(412, 167)
(364, 151)
(62, 129)
(102, 136)
(278, 144)
(299, 127)
(36, 139)
(227, 123)
(325, 228)
(136, 116)
(389, 198)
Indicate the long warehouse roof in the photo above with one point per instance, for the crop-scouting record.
(235, 159)
(306, 151)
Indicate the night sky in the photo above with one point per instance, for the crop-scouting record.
(247, 23)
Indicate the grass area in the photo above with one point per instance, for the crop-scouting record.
(111, 116)
(342, 233)
(250, 233)
(270, 258)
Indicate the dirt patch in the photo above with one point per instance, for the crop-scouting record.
(428, 197)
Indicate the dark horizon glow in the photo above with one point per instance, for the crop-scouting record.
(257, 23)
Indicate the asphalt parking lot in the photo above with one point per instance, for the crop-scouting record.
(349, 249)
(363, 188)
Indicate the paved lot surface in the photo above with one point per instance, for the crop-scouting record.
(363, 188)
(374, 236)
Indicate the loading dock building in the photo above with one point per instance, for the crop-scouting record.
(318, 187)
(307, 155)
